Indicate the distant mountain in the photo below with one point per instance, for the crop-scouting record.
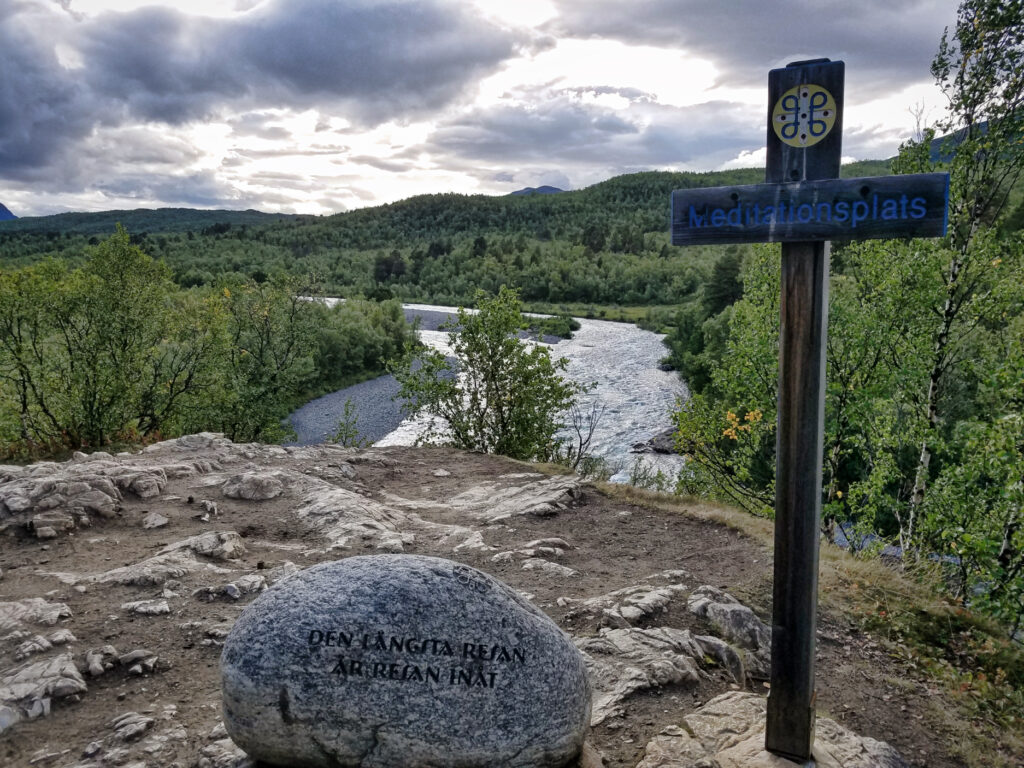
(5, 214)
(544, 212)
(143, 220)
(943, 148)
(545, 190)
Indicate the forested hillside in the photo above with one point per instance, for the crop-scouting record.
(437, 248)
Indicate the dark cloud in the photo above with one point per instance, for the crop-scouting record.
(201, 189)
(555, 132)
(630, 94)
(93, 102)
(380, 163)
(881, 41)
(333, 204)
(280, 179)
(379, 59)
(366, 60)
(259, 125)
(41, 104)
(139, 148)
(551, 129)
(561, 129)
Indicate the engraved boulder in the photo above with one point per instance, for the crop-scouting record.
(390, 661)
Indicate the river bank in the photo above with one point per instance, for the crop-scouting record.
(376, 410)
(618, 360)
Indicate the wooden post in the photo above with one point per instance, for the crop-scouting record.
(789, 729)
(802, 205)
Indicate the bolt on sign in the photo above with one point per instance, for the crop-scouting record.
(804, 205)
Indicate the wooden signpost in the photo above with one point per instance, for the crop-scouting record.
(803, 205)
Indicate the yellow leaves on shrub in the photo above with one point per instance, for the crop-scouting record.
(734, 428)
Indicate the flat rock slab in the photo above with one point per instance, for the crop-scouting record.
(390, 661)
(622, 662)
(728, 732)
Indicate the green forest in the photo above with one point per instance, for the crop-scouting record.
(431, 248)
(107, 349)
(191, 320)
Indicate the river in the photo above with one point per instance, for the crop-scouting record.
(619, 359)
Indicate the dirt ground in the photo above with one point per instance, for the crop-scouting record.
(615, 545)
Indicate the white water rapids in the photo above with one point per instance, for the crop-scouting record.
(622, 361)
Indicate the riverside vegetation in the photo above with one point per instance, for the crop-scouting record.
(113, 351)
(510, 398)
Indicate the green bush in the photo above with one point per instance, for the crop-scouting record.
(501, 395)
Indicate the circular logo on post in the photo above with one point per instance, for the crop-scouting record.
(804, 115)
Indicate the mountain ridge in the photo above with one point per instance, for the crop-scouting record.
(542, 190)
(648, 189)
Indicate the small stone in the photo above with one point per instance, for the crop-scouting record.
(39, 708)
(146, 486)
(154, 520)
(232, 591)
(553, 543)
(218, 633)
(92, 748)
(738, 624)
(729, 731)
(34, 684)
(279, 573)
(218, 545)
(131, 725)
(46, 532)
(250, 583)
(43, 756)
(99, 660)
(546, 566)
(8, 717)
(441, 473)
(147, 607)
(623, 661)
(419, 660)
(36, 645)
(137, 655)
(254, 486)
(56, 519)
(222, 754)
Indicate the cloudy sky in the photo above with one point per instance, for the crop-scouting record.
(320, 106)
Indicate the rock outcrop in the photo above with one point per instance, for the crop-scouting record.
(738, 624)
(728, 732)
(123, 577)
